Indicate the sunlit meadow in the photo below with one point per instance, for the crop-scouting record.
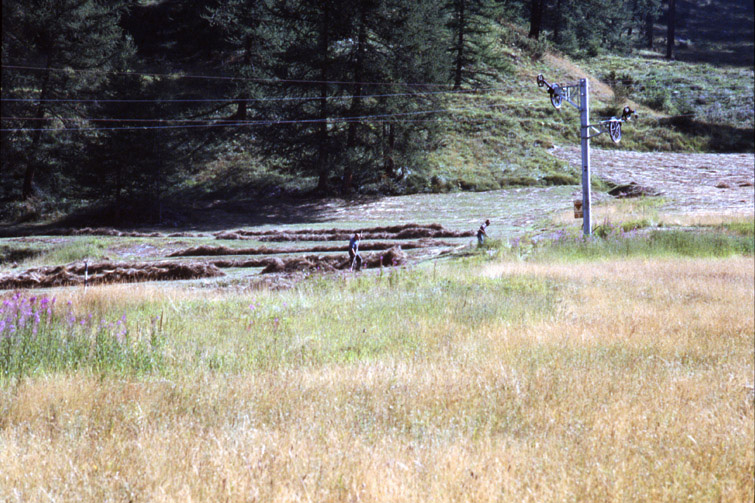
(613, 370)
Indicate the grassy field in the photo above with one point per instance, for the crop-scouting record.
(619, 369)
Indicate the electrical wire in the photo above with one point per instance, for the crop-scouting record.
(222, 77)
(465, 94)
(125, 119)
(231, 122)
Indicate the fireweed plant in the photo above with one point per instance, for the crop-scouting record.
(38, 337)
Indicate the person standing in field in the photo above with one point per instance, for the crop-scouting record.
(354, 257)
(481, 234)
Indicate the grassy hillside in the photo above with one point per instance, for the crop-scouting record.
(499, 138)
(500, 135)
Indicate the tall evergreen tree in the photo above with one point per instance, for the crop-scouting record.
(328, 67)
(471, 23)
(71, 44)
(538, 9)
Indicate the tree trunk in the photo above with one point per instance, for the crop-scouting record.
(356, 102)
(649, 22)
(461, 17)
(322, 148)
(389, 165)
(559, 19)
(671, 29)
(536, 18)
(31, 165)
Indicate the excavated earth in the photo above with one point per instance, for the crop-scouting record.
(283, 261)
(106, 272)
(687, 183)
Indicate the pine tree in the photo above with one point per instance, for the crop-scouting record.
(471, 23)
(328, 66)
(71, 44)
(538, 10)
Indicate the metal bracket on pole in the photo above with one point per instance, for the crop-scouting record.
(566, 92)
(560, 92)
(612, 126)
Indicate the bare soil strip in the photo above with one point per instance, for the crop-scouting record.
(78, 274)
(391, 257)
(107, 272)
(690, 183)
(209, 251)
(388, 253)
(406, 231)
(108, 231)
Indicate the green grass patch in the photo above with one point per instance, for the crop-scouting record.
(613, 240)
(38, 338)
(80, 248)
(399, 314)
(12, 253)
(742, 228)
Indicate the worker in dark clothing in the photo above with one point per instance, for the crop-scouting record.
(354, 258)
(481, 234)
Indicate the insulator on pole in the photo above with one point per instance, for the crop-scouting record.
(556, 96)
(614, 129)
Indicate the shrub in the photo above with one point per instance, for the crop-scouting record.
(35, 337)
(561, 179)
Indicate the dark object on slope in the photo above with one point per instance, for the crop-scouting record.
(632, 190)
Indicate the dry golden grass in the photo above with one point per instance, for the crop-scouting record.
(633, 389)
(572, 72)
(627, 210)
(712, 218)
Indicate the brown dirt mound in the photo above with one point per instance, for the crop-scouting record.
(309, 263)
(632, 190)
(109, 231)
(406, 231)
(255, 262)
(107, 272)
(207, 251)
(392, 256)
(187, 235)
(211, 251)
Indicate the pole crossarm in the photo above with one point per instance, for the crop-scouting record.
(564, 91)
(611, 126)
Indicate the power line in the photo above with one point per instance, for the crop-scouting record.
(127, 119)
(222, 77)
(236, 100)
(374, 118)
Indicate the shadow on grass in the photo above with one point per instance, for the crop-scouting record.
(719, 138)
(182, 215)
